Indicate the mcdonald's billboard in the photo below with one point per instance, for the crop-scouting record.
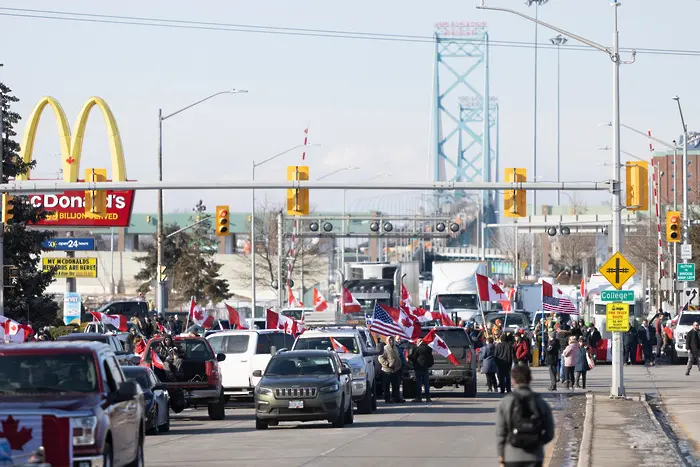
(67, 209)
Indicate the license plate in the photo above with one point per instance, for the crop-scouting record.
(296, 404)
(438, 372)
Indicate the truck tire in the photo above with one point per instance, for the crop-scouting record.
(364, 405)
(374, 398)
(340, 421)
(470, 388)
(217, 410)
(139, 461)
(260, 424)
(107, 454)
(349, 414)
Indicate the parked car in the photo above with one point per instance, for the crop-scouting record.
(128, 308)
(200, 382)
(246, 351)
(117, 346)
(156, 398)
(304, 386)
(76, 394)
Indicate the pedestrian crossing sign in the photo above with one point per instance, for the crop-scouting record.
(617, 270)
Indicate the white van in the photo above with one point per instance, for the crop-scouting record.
(246, 351)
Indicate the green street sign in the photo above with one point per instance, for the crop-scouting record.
(685, 272)
(617, 296)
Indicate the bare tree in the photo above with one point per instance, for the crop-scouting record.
(503, 239)
(575, 249)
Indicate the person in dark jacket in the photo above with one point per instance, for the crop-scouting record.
(646, 338)
(551, 358)
(521, 348)
(576, 330)
(581, 364)
(629, 345)
(692, 343)
(488, 364)
(421, 357)
(593, 337)
(504, 361)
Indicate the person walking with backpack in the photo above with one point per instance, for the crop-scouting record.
(524, 424)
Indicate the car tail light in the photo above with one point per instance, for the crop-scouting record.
(213, 377)
(469, 357)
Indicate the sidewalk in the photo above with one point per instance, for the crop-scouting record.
(622, 433)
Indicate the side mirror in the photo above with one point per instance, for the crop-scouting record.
(127, 391)
(220, 357)
(257, 374)
(345, 371)
(372, 353)
(273, 350)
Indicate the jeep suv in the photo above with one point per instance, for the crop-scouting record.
(303, 386)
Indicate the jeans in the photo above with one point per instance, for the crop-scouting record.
(553, 376)
(581, 376)
(392, 379)
(692, 358)
(422, 380)
(562, 376)
(570, 376)
(504, 379)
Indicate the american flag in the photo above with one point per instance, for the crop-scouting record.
(554, 300)
(384, 325)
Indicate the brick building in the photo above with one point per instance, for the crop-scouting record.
(672, 184)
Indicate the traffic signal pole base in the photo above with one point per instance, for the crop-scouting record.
(617, 389)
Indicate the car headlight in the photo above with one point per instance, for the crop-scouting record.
(262, 391)
(84, 430)
(332, 388)
(358, 372)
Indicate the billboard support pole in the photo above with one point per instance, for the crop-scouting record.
(2, 221)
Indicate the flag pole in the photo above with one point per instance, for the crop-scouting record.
(187, 323)
(481, 309)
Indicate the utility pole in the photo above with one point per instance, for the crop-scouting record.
(160, 295)
(2, 221)
(559, 40)
(686, 219)
(280, 250)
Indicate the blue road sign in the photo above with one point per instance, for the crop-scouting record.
(69, 244)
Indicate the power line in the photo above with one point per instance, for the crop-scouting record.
(288, 31)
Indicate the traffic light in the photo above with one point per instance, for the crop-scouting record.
(222, 221)
(298, 198)
(673, 226)
(95, 200)
(8, 208)
(515, 201)
(637, 178)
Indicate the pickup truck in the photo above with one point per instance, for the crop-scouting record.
(199, 381)
(68, 403)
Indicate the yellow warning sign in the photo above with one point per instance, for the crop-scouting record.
(68, 268)
(617, 317)
(617, 270)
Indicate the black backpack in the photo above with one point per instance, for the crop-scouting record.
(526, 428)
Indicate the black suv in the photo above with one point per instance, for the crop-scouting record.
(127, 308)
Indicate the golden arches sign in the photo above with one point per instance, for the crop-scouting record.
(72, 146)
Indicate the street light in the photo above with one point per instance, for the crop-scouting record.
(686, 220)
(252, 224)
(558, 40)
(159, 234)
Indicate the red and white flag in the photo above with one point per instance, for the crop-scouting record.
(434, 341)
(350, 303)
(338, 347)
(488, 290)
(22, 435)
(276, 320)
(320, 303)
(292, 301)
(234, 317)
(199, 316)
(409, 324)
(118, 321)
(554, 300)
(444, 315)
(140, 349)
(155, 359)
(14, 331)
(405, 297)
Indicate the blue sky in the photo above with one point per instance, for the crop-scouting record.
(366, 102)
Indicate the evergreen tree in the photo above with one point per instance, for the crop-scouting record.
(27, 301)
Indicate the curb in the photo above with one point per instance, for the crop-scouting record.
(584, 452)
(645, 402)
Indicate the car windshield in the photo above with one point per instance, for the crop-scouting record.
(510, 320)
(48, 373)
(139, 375)
(453, 301)
(688, 319)
(288, 365)
(189, 349)
(294, 313)
(341, 344)
(454, 338)
(229, 344)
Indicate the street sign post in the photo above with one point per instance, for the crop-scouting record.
(69, 244)
(686, 251)
(617, 317)
(685, 272)
(617, 270)
(617, 296)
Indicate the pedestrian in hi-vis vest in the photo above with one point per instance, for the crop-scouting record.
(524, 423)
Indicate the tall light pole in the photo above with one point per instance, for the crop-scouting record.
(252, 228)
(558, 40)
(617, 388)
(160, 285)
(684, 174)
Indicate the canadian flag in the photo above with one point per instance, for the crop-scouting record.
(155, 359)
(140, 349)
(197, 315)
(405, 297)
(434, 341)
(291, 299)
(276, 320)
(488, 290)
(162, 329)
(444, 315)
(408, 323)
(14, 331)
(21, 436)
(338, 347)
(118, 321)
(320, 303)
(350, 303)
(234, 317)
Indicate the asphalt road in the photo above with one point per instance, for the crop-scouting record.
(451, 429)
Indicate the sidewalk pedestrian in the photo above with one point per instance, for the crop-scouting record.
(391, 371)
(551, 359)
(488, 364)
(524, 424)
(570, 355)
(504, 362)
(646, 337)
(421, 357)
(581, 364)
(522, 350)
(692, 343)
